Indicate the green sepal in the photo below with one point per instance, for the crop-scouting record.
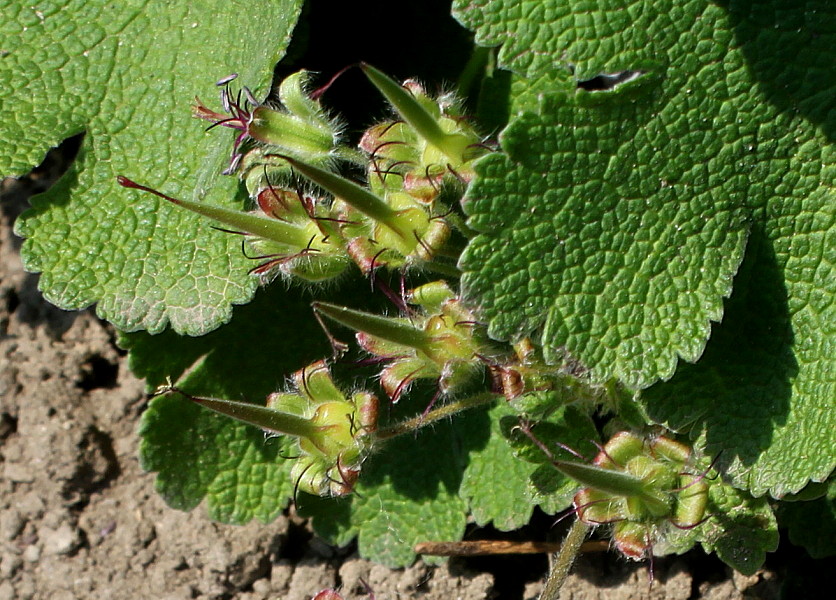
(691, 500)
(431, 296)
(621, 447)
(316, 384)
(290, 133)
(670, 450)
(293, 97)
(632, 539)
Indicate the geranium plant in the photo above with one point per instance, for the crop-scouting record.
(602, 271)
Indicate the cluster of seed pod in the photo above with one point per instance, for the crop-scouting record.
(333, 432)
(398, 219)
(441, 340)
(414, 164)
(643, 488)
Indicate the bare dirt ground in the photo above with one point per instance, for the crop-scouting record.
(79, 519)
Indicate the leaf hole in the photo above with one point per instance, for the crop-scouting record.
(605, 82)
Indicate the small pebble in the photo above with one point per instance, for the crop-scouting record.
(31, 505)
(9, 565)
(18, 473)
(53, 519)
(7, 592)
(32, 553)
(63, 540)
(25, 588)
(11, 523)
(262, 587)
(280, 575)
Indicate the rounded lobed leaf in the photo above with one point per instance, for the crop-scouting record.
(123, 75)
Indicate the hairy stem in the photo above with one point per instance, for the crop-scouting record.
(473, 71)
(568, 552)
(459, 223)
(448, 410)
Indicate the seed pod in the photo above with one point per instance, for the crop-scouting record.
(289, 233)
(446, 344)
(431, 145)
(648, 490)
(334, 433)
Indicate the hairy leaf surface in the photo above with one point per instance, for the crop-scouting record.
(198, 454)
(614, 221)
(812, 523)
(123, 74)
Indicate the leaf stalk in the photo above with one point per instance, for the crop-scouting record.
(442, 412)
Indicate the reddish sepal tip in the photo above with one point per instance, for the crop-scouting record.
(125, 182)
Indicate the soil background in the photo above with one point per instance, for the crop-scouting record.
(79, 518)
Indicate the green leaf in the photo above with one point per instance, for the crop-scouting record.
(504, 93)
(198, 454)
(510, 504)
(539, 36)
(741, 529)
(408, 493)
(524, 485)
(124, 74)
(616, 220)
(812, 524)
(762, 395)
(596, 226)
